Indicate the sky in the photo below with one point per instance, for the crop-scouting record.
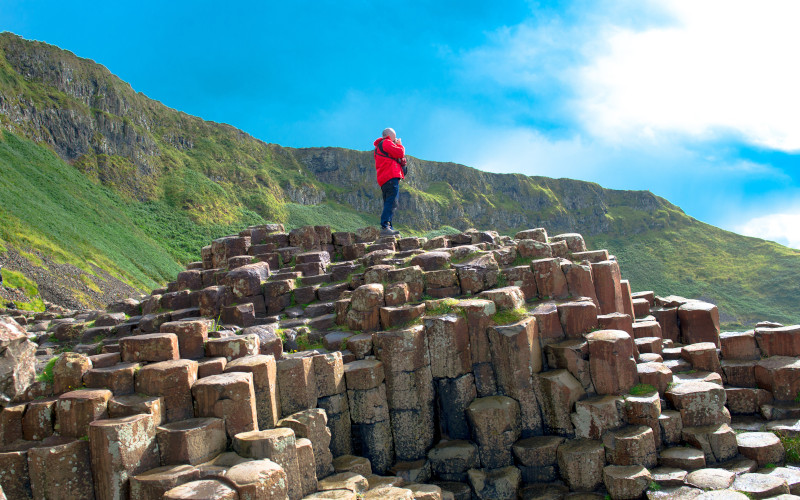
(697, 101)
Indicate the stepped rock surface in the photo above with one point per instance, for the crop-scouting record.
(460, 367)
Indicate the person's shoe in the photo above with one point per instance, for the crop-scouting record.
(388, 231)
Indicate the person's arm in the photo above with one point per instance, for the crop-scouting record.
(394, 150)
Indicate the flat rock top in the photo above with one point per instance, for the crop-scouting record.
(711, 479)
(607, 335)
(692, 387)
(492, 403)
(760, 485)
(756, 439)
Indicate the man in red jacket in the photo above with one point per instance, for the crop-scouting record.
(389, 160)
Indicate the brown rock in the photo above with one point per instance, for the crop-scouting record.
(192, 441)
(236, 346)
(699, 322)
(297, 385)
(560, 391)
(202, 489)
(229, 396)
(626, 482)
(611, 361)
(265, 385)
(61, 469)
(496, 427)
(779, 341)
(779, 375)
(763, 447)
(581, 463)
(312, 425)
(606, 277)
(191, 335)
(633, 445)
(550, 279)
(134, 404)
(152, 485)
(68, 371)
(577, 318)
(121, 448)
(173, 381)
(594, 417)
(448, 344)
(17, 361)
(76, 409)
(37, 423)
(700, 403)
(278, 445)
(717, 441)
(517, 355)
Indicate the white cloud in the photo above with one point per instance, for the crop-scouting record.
(725, 66)
(781, 227)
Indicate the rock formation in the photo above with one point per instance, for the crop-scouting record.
(311, 364)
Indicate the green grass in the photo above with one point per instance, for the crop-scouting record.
(14, 279)
(442, 307)
(508, 316)
(642, 390)
(792, 446)
(47, 372)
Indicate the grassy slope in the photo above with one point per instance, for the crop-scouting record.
(749, 279)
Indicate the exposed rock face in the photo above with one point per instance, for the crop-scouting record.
(17, 360)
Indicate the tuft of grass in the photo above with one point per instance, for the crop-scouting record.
(508, 316)
(305, 344)
(47, 372)
(792, 446)
(442, 307)
(654, 486)
(641, 390)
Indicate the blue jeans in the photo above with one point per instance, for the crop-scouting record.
(391, 189)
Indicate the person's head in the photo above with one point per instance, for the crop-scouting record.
(390, 133)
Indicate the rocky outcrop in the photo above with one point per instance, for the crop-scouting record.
(17, 360)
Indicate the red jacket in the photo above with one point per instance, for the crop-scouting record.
(388, 168)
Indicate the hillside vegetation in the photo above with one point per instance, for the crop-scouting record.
(126, 190)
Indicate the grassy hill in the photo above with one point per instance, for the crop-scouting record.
(119, 190)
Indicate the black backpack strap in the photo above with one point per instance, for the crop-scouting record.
(383, 152)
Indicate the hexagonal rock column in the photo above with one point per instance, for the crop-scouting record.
(667, 317)
(606, 276)
(312, 425)
(577, 318)
(633, 445)
(780, 375)
(11, 424)
(717, 441)
(509, 297)
(700, 403)
(626, 482)
(118, 378)
(627, 300)
(365, 304)
(655, 374)
(763, 447)
(760, 485)
(68, 371)
(297, 385)
(369, 412)
(450, 460)
(560, 391)
(517, 356)
(611, 361)
(192, 335)
(76, 409)
(699, 322)
(278, 445)
(237, 346)
(409, 389)
(579, 281)
(229, 396)
(256, 479)
(550, 279)
(495, 427)
(779, 341)
(154, 483)
(192, 441)
(17, 361)
(454, 395)
(448, 345)
(645, 410)
(594, 416)
(502, 483)
(265, 386)
(204, 488)
(702, 356)
(37, 423)
(580, 463)
(153, 347)
(537, 457)
(173, 381)
(121, 448)
(478, 314)
(573, 356)
(61, 469)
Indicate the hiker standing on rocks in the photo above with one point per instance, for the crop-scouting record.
(390, 165)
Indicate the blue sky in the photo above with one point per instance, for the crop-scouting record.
(696, 101)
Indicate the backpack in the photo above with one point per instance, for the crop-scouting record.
(400, 161)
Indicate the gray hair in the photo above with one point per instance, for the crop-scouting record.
(389, 132)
